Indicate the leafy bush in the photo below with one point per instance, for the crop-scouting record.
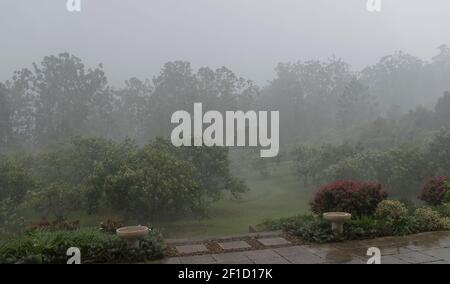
(434, 190)
(391, 210)
(447, 194)
(15, 180)
(309, 227)
(318, 230)
(57, 199)
(443, 209)
(95, 246)
(445, 223)
(367, 228)
(401, 169)
(358, 198)
(151, 185)
(10, 219)
(53, 226)
(427, 219)
(110, 225)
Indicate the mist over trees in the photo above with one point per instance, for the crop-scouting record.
(60, 98)
(70, 142)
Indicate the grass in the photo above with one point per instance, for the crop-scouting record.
(280, 195)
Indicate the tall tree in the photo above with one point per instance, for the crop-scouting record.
(5, 119)
(63, 99)
(355, 105)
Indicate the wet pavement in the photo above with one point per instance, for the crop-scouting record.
(424, 248)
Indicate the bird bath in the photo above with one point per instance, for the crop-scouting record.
(337, 220)
(132, 234)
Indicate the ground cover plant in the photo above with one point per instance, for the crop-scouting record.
(43, 246)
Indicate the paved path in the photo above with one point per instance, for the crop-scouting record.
(433, 248)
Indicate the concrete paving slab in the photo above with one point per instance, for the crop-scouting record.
(188, 249)
(415, 257)
(230, 257)
(439, 253)
(198, 259)
(234, 245)
(271, 242)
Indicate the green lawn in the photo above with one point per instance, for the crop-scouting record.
(280, 195)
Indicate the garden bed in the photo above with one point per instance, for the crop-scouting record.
(313, 228)
(96, 247)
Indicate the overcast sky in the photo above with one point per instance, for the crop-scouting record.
(136, 37)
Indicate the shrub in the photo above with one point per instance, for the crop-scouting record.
(434, 190)
(445, 223)
(310, 228)
(391, 210)
(447, 194)
(10, 218)
(358, 198)
(443, 209)
(151, 186)
(95, 246)
(364, 228)
(53, 226)
(110, 225)
(318, 230)
(57, 199)
(426, 219)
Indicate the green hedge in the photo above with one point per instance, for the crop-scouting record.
(95, 247)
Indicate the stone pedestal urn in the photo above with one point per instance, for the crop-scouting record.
(337, 220)
(133, 234)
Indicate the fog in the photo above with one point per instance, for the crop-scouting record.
(135, 38)
(205, 117)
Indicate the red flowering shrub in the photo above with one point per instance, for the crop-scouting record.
(54, 225)
(434, 190)
(357, 197)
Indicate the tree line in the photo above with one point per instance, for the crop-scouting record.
(60, 98)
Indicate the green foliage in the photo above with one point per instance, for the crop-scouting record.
(427, 219)
(443, 209)
(53, 226)
(57, 199)
(211, 168)
(391, 210)
(367, 228)
(401, 170)
(445, 223)
(10, 217)
(316, 229)
(70, 100)
(311, 161)
(309, 227)
(439, 153)
(447, 194)
(95, 247)
(150, 185)
(15, 180)
(442, 110)
(392, 219)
